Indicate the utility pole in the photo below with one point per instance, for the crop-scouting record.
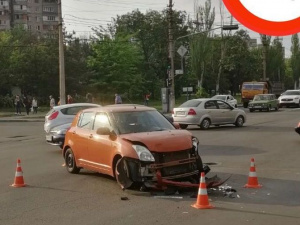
(12, 14)
(62, 78)
(264, 54)
(171, 56)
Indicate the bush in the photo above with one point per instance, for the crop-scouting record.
(202, 93)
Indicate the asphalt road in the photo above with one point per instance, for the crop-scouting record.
(54, 196)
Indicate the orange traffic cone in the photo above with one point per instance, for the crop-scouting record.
(202, 199)
(252, 179)
(19, 181)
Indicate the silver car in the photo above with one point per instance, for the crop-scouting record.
(59, 119)
(205, 112)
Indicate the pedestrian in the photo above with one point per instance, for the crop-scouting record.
(118, 99)
(89, 98)
(147, 97)
(52, 102)
(18, 105)
(27, 105)
(69, 99)
(34, 105)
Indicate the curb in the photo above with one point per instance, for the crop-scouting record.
(21, 120)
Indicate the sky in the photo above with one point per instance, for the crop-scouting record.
(81, 15)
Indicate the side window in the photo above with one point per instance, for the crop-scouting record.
(210, 105)
(71, 111)
(85, 121)
(101, 120)
(222, 105)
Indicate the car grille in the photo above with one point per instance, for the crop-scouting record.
(180, 156)
(286, 99)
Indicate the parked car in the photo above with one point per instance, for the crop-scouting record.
(134, 144)
(264, 102)
(205, 112)
(59, 119)
(227, 98)
(289, 98)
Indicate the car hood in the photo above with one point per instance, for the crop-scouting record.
(162, 141)
(289, 96)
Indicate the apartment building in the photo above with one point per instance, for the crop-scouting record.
(38, 16)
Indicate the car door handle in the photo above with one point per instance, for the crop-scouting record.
(74, 132)
(91, 136)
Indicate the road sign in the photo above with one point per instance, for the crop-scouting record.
(178, 72)
(182, 51)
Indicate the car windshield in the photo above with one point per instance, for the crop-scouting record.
(221, 97)
(261, 97)
(291, 93)
(253, 86)
(141, 121)
(190, 103)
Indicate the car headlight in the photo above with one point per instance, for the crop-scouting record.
(297, 98)
(195, 143)
(143, 153)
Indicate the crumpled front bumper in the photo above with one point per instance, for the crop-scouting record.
(139, 173)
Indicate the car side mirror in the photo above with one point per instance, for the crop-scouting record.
(106, 131)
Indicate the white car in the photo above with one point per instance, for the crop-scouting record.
(58, 120)
(227, 98)
(290, 98)
(205, 112)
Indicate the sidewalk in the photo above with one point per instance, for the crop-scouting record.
(11, 117)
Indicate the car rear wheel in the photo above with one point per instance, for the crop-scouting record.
(239, 121)
(268, 108)
(205, 124)
(183, 126)
(251, 110)
(70, 162)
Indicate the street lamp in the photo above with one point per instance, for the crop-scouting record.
(172, 71)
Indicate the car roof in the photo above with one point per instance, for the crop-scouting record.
(74, 105)
(122, 108)
(265, 94)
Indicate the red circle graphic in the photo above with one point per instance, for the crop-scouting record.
(244, 16)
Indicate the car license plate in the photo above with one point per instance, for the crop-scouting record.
(49, 137)
(180, 113)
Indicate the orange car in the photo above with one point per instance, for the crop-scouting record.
(133, 143)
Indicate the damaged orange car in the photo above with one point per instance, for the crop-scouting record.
(133, 143)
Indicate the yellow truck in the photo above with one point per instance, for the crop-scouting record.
(250, 89)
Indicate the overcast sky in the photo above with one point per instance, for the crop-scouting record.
(82, 15)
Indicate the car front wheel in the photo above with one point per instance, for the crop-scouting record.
(239, 121)
(70, 162)
(205, 124)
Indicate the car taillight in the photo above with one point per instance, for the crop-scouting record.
(172, 112)
(53, 115)
(298, 124)
(192, 112)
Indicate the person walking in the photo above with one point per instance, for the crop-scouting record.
(18, 105)
(69, 99)
(27, 105)
(147, 97)
(34, 105)
(118, 99)
(52, 102)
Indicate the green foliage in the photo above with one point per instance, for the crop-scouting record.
(202, 93)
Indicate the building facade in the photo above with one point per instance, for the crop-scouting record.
(37, 16)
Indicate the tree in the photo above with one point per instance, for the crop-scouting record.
(295, 60)
(200, 44)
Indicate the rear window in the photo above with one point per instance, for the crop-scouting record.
(190, 103)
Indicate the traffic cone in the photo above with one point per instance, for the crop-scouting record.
(202, 199)
(19, 181)
(252, 179)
